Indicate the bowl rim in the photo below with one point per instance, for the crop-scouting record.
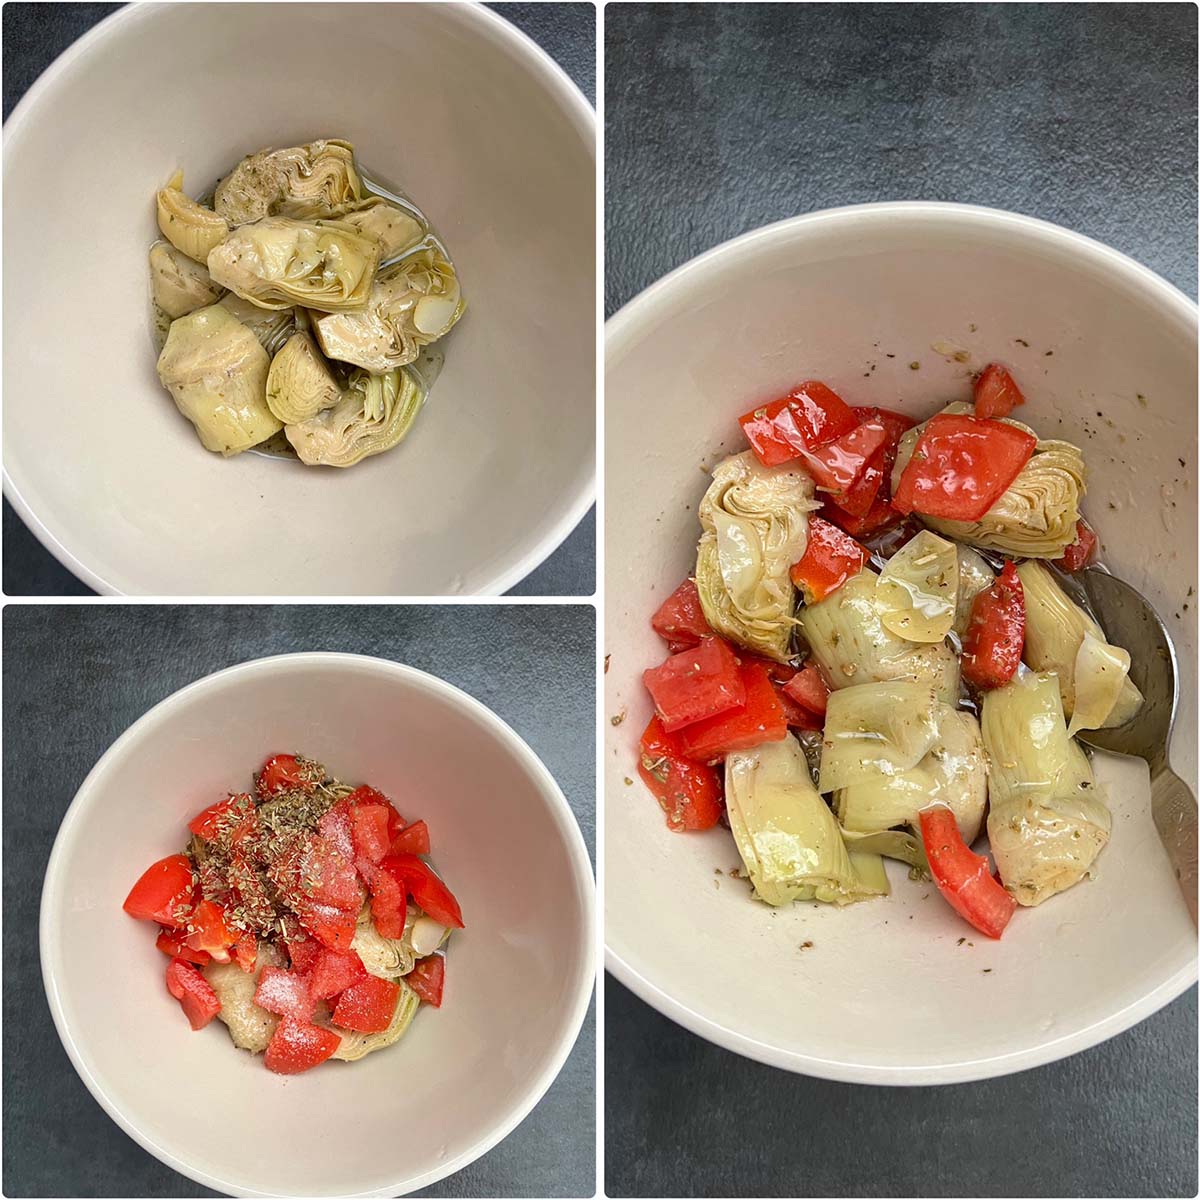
(626, 326)
(50, 911)
(504, 36)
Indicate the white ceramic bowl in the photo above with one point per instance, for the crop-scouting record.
(518, 977)
(878, 997)
(446, 100)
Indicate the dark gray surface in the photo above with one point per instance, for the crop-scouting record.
(723, 118)
(36, 34)
(75, 676)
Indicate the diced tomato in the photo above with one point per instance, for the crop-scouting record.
(995, 636)
(333, 972)
(1081, 551)
(285, 993)
(332, 927)
(761, 719)
(413, 839)
(428, 979)
(680, 619)
(367, 1006)
(964, 878)
(328, 877)
(432, 896)
(193, 991)
(695, 684)
(369, 830)
(245, 952)
(996, 392)
(369, 795)
(173, 946)
(798, 717)
(389, 903)
(809, 689)
(304, 954)
(298, 1046)
(809, 417)
(838, 466)
(335, 827)
(896, 423)
(689, 793)
(961, 466)
(210, 932)
(830, 558)
(880, 516)
(208, 824)
(280, 773)
(163, 893)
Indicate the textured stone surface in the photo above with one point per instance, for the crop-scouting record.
(719, 120)
(76, 676)
(36, 34)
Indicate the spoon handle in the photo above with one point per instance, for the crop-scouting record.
(1174, 810)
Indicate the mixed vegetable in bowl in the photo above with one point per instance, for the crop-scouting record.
(882, 654)
(303, 916)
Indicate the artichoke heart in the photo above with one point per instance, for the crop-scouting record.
(974, 576)
(300, 383)
(373, 415)
(789, 841)
(395, 229)
(178, 284)
(411, 303)
(317, 180)
(271, 326)
(278, 262)
(1047, 823)
(250, 1027)
(1061, 637)
(755, 522)
(1036, 516)
(952, 773)
(849, 640)
(216, 371)
(190, 227)
(917, 589)
(357, 1045)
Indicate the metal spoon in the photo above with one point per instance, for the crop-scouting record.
(1129, 621)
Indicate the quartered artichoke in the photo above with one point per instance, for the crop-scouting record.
(373, 414)
(412, 303)
(1093, 677)
(357, 1045)
(1047, 822)
(917, 589)
(394, 228)
(849, 640)
(189, 227)
(250, 1027)
(271, 326)
(974, 576)
(279, 262)
(300, 383)
(789, 841)
(216, 370)
(317, 180)
(178, 284)
(1036, 516)
(755, 522)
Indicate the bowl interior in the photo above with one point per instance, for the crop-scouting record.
(517, 977)
(889, 991)
(444, 100)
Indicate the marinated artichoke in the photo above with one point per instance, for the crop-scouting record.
(178, 284)
(373, 414)
(216, 370)
(189, 227)
(755, 522)
(411, 304)
(317, 180)
(974, 576)
(917, 589)
(300, 384)
(395, 229)
(272, 327)
(250, 1027)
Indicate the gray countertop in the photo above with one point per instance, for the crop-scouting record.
(76, 676)
(36, 34)
(719, 119)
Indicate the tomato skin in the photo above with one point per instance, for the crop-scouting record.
(298, 1046)
(163, 889)
(963, 877)
(808, 417)
(838, 466)
(995, 636)
(1081, 551)
(996, 392)
(689, 793)
(428, 979)
(830, 559)
(431, 895)
(280, 773)
(412, 839)
(193, 991)
(961, 466)
(695, 684)
(680, 619)
(761, 719)
(367, 1006)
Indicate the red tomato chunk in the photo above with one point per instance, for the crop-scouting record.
(428, 979)
(298, 1046)
(413, 839)
(1081, 551)
(285, 993)
(193, 991)
(996, 392)
(809, 417)
(367, 1006)
(680, 618)
(163, 893)
(995, 636)
(695, 684)
(963, 877)
(689, 793)
(830, 558)
(809, 689)
(760, 719)
(420, 882)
